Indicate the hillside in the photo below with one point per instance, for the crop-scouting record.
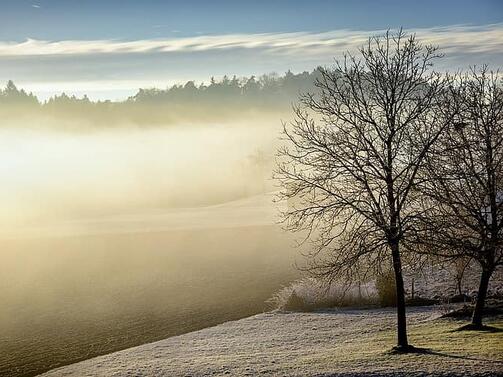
(342, 343)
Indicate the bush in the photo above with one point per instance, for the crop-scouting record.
(460, 298)
(421, 301)
(295, 303)
(386, 289)
(310, 294)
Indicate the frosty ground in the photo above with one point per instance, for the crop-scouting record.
(345, 342)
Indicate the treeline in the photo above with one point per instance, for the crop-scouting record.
(204, 102)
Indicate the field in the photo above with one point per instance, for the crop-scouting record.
(330, 343)
(66, 299)
(119, 282)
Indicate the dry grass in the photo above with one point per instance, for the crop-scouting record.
(447, 352)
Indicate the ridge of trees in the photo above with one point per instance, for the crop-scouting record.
(268, 90)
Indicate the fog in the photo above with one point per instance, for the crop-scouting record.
(116, 237)
(51, 176)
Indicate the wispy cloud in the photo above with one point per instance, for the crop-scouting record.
(35, 6)
(487, 38)
(115, 69)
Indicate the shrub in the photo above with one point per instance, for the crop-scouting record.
(386, 289)
(421, 301)
(310, 294)
(295, 303)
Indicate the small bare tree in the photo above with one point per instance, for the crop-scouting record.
(352, 157)
(459, 267)
(464, 181)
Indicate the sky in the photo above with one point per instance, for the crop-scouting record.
(109, 49)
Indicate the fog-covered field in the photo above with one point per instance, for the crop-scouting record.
(115, 238)
(68, 299)
(53, 176)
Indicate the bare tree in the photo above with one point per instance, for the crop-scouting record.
(459, 267)
(464, 181)
(352, 157)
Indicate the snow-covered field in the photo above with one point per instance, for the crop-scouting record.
(342, 343)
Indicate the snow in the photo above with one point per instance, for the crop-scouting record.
(284, 344)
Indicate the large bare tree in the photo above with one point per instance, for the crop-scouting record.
(464, 181)
(352, 157)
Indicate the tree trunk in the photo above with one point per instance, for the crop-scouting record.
(481, 297)
(402, 342)
(412, 289)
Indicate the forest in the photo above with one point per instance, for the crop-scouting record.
(216, 100)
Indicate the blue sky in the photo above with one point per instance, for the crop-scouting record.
(82, 46)
(134, 19)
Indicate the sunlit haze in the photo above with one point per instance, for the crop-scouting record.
(251, 188)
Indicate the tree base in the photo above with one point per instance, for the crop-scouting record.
(398, 350)
(475, 327)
